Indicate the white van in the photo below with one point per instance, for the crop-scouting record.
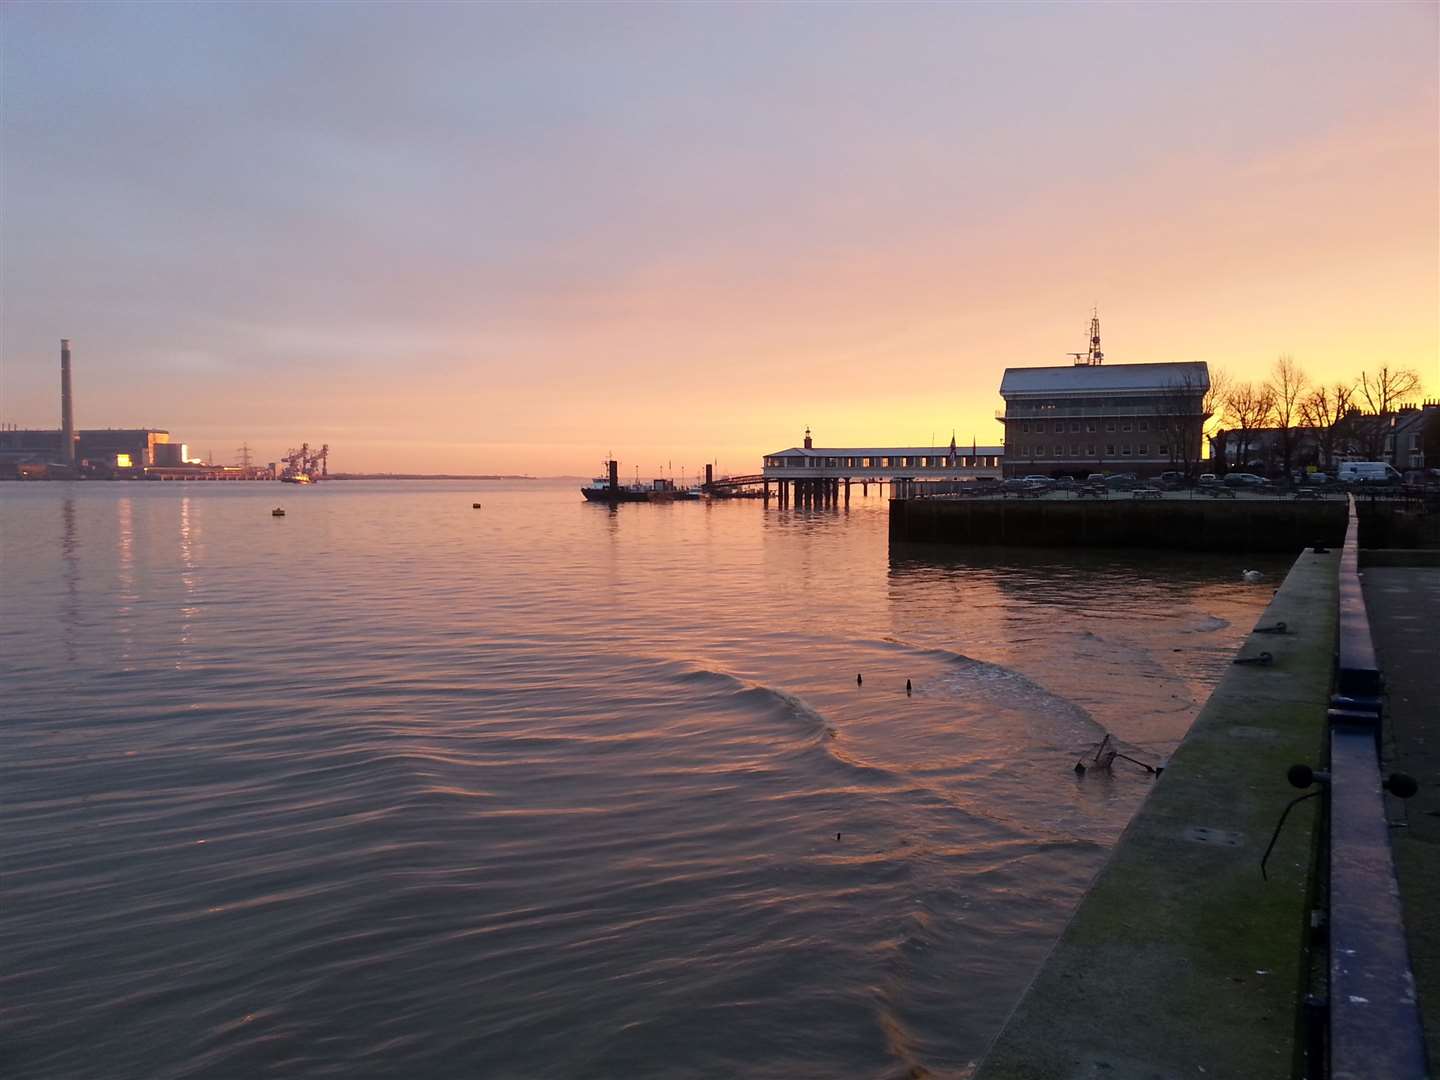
(1366, 472)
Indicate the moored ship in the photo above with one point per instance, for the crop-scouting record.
(608, 489)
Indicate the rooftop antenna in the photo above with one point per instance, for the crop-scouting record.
(1096, 356)
(1093, 357)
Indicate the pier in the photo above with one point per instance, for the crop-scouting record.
(823, 476)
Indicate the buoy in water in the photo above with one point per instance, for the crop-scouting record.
(277, 512)
(859, 680)
(907, 687)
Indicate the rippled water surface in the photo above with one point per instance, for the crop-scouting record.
(395, 787)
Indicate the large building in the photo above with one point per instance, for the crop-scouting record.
(121, 447)
(1090, 417)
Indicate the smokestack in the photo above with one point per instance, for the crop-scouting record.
(67, 407)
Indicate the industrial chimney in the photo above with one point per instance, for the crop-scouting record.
(67, 407)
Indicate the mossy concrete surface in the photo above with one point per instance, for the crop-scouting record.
(1181, 961)
(1404, 608)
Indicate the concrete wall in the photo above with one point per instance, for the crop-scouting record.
(1196, 525)
(1182, 960)
(1387, 525)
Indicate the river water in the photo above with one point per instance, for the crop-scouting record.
(391, 786)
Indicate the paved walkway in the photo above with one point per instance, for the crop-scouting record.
(1404, 608)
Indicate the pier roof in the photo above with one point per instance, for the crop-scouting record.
(1104, 378)
(964, 450)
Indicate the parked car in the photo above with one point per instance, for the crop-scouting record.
(1208, 478)
(1317, 478)
(1245, 479)
(1121, 481)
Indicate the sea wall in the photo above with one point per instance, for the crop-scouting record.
(1182, 960)
(1386, 524)
(1239, 525)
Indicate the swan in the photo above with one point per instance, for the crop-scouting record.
(1252, 576)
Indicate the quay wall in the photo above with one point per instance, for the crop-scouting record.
(1182, 960)
(1388, 525)
(1240, 525)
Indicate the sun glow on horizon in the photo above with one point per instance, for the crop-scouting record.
(682, 238)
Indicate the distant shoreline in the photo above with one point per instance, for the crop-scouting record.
(425, 476)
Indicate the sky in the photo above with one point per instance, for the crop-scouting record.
(495, 238)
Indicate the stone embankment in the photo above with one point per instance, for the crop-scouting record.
(1182, 960)
(1240, 525)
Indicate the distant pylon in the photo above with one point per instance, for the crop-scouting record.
(244, 453)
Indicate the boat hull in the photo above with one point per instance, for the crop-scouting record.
(614, 495)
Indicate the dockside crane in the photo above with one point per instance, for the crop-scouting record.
(302, 462)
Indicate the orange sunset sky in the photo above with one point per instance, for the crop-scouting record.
(514, 239)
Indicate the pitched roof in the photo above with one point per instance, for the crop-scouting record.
(1108, 378)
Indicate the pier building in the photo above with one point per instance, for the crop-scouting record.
(808, 473)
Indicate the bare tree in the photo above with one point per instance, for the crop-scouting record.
(1387, 388)
(1248, 408)
(1330, 412)
(1215, 395)
(1181, 420)
(1384, 391)
(1286, 388)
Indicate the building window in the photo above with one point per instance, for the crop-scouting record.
(1059, 450)
(1090, 449)
(1109, 425)
(1074, 425)
(1144, 425)
(1125, 426)
(1109, 449)
(1074, 449)
(1142, 448)
(1164, 450)
(1125, 450)
(1025, 427)
(1090, 425)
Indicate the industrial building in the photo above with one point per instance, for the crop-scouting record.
(106, 453)
(123, 447)
(1085, 417)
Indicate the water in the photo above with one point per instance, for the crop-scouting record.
(395, 787)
